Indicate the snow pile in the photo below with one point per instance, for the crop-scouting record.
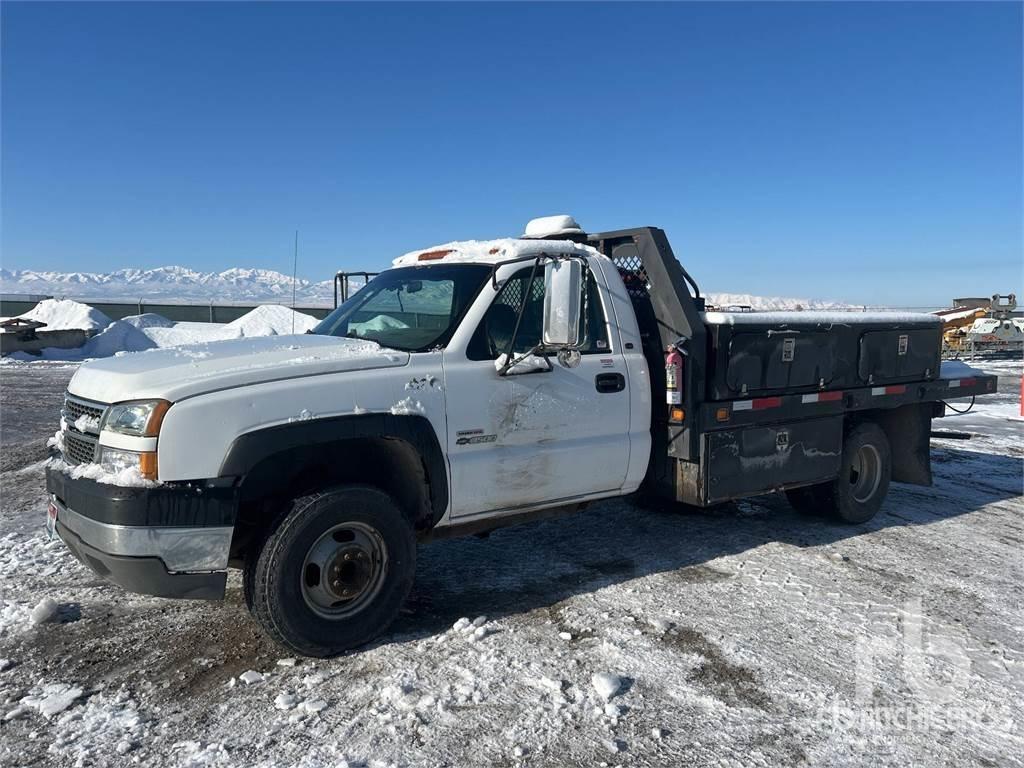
(51, 699)
(64, 314)
(44, 612)
(118, 337)
(14, 617)
(199, 754)
(85, 734)
(138, 333)
(148, 320)
(251, 677)
(473, 630)
(606, 684)
(272, 320)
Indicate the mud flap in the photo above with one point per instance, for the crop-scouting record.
(909, 431)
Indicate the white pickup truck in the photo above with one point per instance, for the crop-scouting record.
(472, 385)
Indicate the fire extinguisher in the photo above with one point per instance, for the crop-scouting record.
(674, 376)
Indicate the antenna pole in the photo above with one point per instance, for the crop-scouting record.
(295, 269)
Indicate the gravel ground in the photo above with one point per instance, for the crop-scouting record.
(744, 635)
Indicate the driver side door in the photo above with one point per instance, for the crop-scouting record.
(533, 438)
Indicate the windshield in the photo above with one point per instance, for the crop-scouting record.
(412, 308)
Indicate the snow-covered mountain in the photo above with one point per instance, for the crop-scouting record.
(243, 285)
(166, 283)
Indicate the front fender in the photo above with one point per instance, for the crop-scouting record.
(252, 448)
(198, 431)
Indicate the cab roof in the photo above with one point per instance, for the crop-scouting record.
(492, 251)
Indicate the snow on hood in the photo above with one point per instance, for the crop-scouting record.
(178, 372)
(493, 251)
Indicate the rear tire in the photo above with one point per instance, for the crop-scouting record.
(333, 572)
(864, 474)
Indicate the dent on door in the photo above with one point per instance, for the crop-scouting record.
(533, 426)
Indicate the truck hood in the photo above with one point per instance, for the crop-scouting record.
(179, 372)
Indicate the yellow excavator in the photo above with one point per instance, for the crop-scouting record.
(983, 329)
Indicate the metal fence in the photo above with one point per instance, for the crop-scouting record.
(201, 312)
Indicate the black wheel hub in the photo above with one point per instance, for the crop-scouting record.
(349, 573)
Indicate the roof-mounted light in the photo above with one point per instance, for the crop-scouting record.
(552, 226)
(434, 255)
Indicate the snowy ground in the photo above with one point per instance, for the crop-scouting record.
(745, 635)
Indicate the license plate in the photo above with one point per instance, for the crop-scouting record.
(51, 520)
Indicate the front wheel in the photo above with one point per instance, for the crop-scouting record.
(864, 473)
(334, 572)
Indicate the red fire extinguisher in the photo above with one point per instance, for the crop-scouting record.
(674, 376)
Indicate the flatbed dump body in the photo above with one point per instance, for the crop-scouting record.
(767, 397)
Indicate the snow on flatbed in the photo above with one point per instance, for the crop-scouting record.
(820, 316)
(744, 635)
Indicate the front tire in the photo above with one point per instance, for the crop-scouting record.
(333, 572)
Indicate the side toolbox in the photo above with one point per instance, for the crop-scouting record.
(899, 355)
(767, 362)
(741, 462)
(757, 354)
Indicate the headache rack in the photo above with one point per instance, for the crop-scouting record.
(668, 308)
(343, 286)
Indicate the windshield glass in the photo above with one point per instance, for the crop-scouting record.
(412, 308)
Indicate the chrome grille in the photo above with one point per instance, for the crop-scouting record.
(79, 448)
(75, 408)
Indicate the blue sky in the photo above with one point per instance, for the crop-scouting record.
(866, 152)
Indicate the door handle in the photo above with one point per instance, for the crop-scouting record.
(609, 382)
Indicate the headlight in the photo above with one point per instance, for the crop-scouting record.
(115, 460)
(141, 418)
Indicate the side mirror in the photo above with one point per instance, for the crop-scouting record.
(563, 288)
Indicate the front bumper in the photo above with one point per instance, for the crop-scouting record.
(168, 541)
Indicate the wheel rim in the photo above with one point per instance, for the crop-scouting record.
(865, 473)
(344, 570)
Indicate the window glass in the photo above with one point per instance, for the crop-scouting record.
(495, 330)
(411, 308)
